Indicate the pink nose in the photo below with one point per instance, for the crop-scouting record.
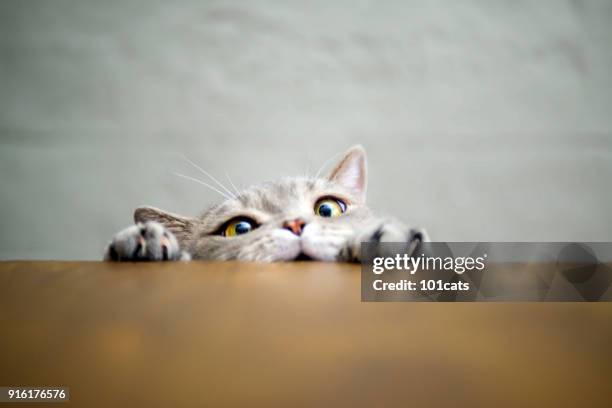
(296, 226)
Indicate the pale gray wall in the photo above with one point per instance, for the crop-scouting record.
(483, 120)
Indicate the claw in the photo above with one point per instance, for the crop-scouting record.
(164, 241)
(141, 248)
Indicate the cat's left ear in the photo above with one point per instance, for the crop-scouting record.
(181, 227)
(351, 172)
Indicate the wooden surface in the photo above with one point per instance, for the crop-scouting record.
(240, 334)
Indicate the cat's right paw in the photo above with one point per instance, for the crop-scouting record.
(386, 231)
(149, 241)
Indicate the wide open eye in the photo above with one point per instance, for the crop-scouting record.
(329, 207)
(238, 226)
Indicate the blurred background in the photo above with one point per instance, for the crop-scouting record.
(483, 120)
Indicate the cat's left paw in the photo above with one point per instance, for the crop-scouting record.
(148, 241)
(386, 231)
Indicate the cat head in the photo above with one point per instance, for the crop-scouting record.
(296, 217)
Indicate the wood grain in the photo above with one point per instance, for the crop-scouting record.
(245, 334)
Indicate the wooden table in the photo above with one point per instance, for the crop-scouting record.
(242, 334)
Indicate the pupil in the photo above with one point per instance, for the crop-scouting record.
(243, 227)
(325, 210)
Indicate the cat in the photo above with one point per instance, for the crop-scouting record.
(299, 218)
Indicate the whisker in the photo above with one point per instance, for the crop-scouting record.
(308, 165)
(209, 176)
(232, 184)
(204, 184)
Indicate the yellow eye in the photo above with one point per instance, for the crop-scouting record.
(238, 226)
(329, 207)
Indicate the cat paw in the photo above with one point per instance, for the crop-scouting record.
(149, 241)
(386, 231)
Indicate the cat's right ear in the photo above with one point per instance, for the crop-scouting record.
(351, 172)
(181, 227)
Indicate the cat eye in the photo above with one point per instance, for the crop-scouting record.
(330, 207)
(238, 226)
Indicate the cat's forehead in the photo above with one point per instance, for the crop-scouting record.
(279, 196)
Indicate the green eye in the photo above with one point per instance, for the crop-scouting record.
(330, 207)
(238, 226)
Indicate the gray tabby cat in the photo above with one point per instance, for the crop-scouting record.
(324, 219)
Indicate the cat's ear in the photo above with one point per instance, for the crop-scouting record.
(351, 172)
(181, 227)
